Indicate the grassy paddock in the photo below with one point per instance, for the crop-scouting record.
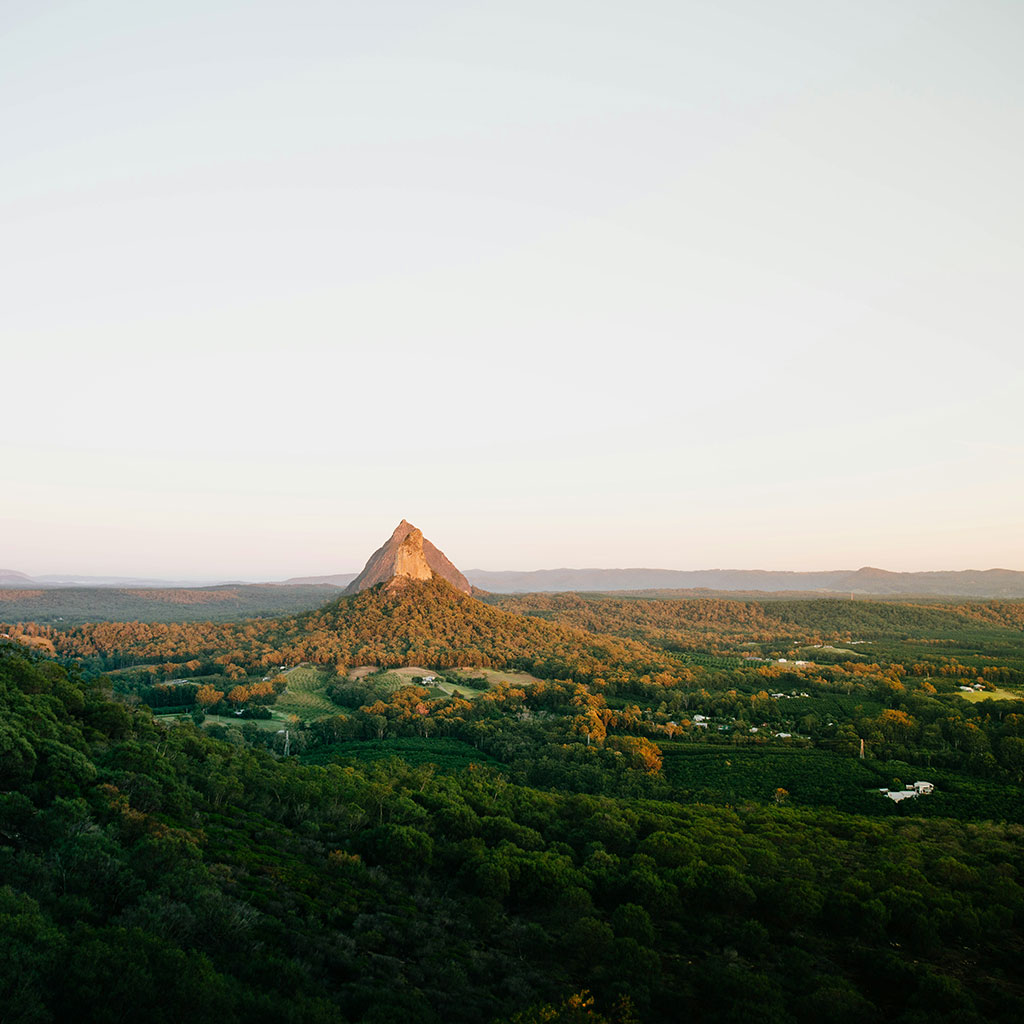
(270, 724)
(496, 675)
(997, 694)
(443, 686)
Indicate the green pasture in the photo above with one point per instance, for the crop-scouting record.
(499, 675)
(270, 724)
(305, 694)
(445, 682)
(997, 694)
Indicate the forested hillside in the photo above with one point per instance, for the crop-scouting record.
(425, 623)
(905, 631)
(153, 871)
(411, 805)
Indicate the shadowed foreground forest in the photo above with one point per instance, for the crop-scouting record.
(651, 819)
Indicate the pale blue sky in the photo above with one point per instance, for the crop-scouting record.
(676, 284)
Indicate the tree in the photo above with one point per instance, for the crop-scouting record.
(207, 695)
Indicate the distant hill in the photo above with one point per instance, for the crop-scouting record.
(989, 583)
(341, 579)
(11, 578)
(974, 583)
(69, 606)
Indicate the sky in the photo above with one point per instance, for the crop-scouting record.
(673, 284)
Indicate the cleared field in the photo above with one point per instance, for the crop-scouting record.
(270, 724)
(453, 689)
(411, 671)
(495, 676)
(444, 686)
(362, 670)
(829, 649)
(997, 694)
(305, 695)
(408, 673)
(439, 688)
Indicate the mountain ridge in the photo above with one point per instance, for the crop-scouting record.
(993, 583)
(985, 583)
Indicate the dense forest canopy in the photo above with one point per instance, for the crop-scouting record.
(418, 805)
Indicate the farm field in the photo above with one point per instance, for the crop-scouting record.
(408, 673)
(448, 754)
(443, 683)
(269, 724)
(819, 778)
(362, 670)
(407, 676)
(495, 676)
(810, 777)
(808, 651)
(999, 693)
(305, 695)
(441, 687)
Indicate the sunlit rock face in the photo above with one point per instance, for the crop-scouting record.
(407, 555)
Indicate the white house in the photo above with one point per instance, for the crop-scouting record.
(918, 789)
(900, 794)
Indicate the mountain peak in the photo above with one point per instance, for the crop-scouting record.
(407, 555)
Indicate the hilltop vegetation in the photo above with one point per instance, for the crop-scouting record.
(427, 622)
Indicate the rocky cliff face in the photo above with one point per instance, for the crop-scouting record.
(407, 555)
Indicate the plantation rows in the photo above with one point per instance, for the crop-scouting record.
(447, 754)
(823, 779)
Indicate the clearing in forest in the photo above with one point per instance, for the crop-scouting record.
(305, 694)
(997, 694)
(497, 675)
(445, 678)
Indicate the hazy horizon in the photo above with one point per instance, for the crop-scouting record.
(677, 286)
(206, 576)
